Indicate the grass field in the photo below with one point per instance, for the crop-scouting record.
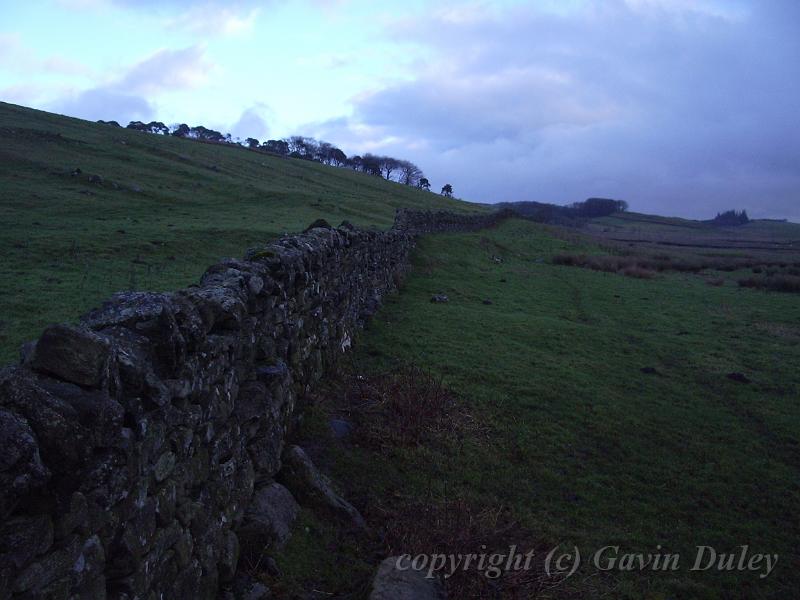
(167, 208)
(575, 443)
(775, 236)
(579, 407)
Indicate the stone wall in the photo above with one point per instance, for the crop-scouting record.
(133, 443)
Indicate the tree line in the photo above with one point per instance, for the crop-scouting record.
(730, 218)
(306, 148)
(572, 214)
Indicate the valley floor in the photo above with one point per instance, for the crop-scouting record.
(591, 410)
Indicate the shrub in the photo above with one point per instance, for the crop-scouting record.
(569, 260)
(778, 283)
(638, 272)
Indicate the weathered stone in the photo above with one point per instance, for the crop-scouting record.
(220, 307)
(56, 424)
(245, 588)
(319, 223)
(100, 415)
(164, 466)
(150, 315)
(341, 428)
(187, 583)
(54, 566)
(183, 549)
(304, 480)
(135, 364)
(72, 354)
(166, 498)
(24, 538)
(268, 521)
(76, 518)
(396, 580)
(88, 569)
(21, 469)
(229, 556)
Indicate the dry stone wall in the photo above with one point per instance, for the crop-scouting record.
(133, 443)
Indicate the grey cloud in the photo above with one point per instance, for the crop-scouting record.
(207, 18)
(251, 124)
(681, 112)
(126, 97)
(106, 104)
(166, 70)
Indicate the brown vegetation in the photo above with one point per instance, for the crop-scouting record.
(776, 282)
(779, 276)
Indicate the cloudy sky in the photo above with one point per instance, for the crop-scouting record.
(681, 107)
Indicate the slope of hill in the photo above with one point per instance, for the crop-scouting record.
(163, 209)
(631, 225)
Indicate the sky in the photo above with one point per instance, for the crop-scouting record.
(680, 107)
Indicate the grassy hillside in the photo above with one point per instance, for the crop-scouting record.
(599, 412)
(587, 409)
(166, 209)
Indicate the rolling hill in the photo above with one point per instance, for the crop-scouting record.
(581, 407)
(162, 210)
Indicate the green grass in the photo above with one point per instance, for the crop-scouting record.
(585, 448)
(576, 442)
(67, 244)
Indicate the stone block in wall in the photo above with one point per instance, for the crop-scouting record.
(22, 472)
(268, 521)
(152, 315)
(53, 570)
(100, 416)
(135, 366)
(59, 434)
(23, 538)
(73, 354)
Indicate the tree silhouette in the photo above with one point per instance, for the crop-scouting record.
(298, 146)
(447, 190)
(410, 173)
(388, 165)
(338, 158)
(279, 147)
(181, 130)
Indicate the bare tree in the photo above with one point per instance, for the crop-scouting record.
(302, 147)
(279, 147)
(324, 152)
(388, 165)
(338, 158)
(410, 173)
(371, 164)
